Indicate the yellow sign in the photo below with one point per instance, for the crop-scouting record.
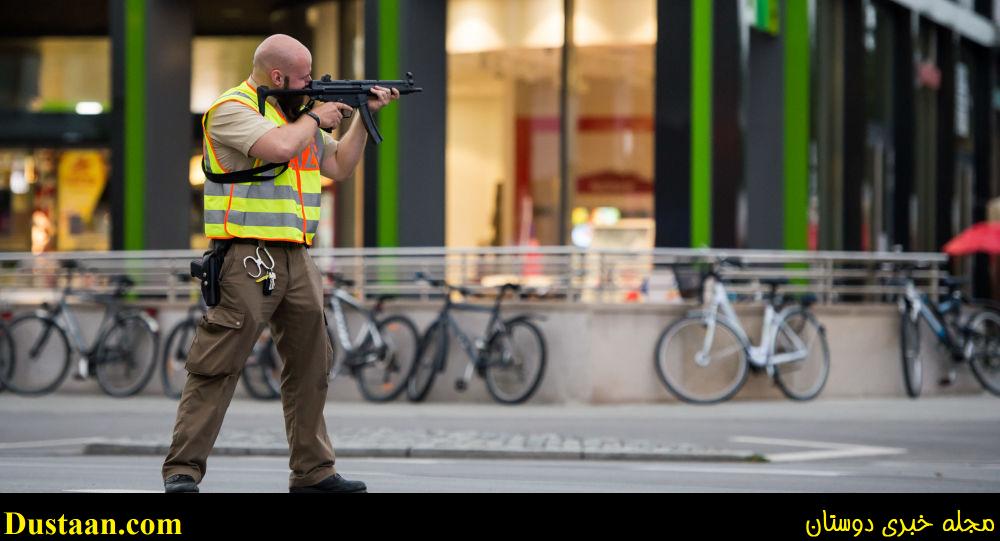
(82, 177)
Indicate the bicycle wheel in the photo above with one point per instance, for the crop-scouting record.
(173, 373)
(383, 378)
(985, 361)
(41, 358)
(909, 348)
(126, 357)
(433, 349)
(799, 332)
(697, 374)
(515, 362)
(6, 355)
(262, 372)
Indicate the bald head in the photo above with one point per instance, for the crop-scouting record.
(279, 57)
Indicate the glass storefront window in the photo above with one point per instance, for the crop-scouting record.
(611, 151)
(54, 199)
(56, 74)
(504, 90)
(502, 165)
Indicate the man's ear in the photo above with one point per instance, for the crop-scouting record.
(276, 78)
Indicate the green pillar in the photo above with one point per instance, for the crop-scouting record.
(796, 151)
(701, 123)
(388, 124)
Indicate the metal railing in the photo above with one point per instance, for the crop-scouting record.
(556, 274)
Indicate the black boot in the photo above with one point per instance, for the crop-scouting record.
(180, 483)
(335, 484)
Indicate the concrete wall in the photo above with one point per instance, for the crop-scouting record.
(604, 354)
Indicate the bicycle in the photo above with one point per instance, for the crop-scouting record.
(383, 354)
(510, 355)
(122, 355)
(705, 356)
(261, 375)
(972, 338)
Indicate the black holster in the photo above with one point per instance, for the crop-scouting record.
(208, 271)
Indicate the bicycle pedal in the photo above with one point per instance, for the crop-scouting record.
(460, 385)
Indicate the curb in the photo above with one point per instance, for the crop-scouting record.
(113, 449)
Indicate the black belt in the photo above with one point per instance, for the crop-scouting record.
(267, 243)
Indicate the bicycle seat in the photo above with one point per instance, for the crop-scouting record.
(383, 298)
(774, 282)
(69, 264)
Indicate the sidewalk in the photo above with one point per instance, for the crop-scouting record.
(465, 444)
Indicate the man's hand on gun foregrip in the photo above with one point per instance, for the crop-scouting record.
(381, 97)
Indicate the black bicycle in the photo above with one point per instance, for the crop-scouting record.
(968, 329)
(122, 356)
(510, 355)
(261, 375)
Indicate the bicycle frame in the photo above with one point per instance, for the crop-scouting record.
(474, 351)
(353, 349)
(920, 307)
(63, 316)
(757, 355)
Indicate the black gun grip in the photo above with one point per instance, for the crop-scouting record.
(366, 117)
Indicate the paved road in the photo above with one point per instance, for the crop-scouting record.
(934, 444)
(269, 474)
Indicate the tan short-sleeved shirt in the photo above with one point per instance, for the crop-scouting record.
(235, 128)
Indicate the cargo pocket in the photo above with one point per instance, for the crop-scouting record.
(218, 343)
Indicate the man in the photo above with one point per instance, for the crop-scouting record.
(264, 228)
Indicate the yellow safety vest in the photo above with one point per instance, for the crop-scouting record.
(285, 209)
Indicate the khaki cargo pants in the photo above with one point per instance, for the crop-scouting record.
(225, 338)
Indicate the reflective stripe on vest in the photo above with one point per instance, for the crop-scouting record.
(286, 209)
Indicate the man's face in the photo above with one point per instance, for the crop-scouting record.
(296, 74)
(297, 77)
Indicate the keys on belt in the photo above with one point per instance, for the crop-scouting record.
(265, 272)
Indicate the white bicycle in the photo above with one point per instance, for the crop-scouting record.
(705, 356)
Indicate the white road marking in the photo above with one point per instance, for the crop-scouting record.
(112, 491)
(47, 443)
(763, 470)
(824, 450)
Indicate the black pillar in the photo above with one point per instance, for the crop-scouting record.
(116, 178)
(945, 176)
(727, 122)
(904, 127)
(370, 195)
(672, 167)
(168, 124)
(422, 120)
(853, 122)
(765, 142)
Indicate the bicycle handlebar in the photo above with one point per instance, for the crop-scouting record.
(502, 289)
